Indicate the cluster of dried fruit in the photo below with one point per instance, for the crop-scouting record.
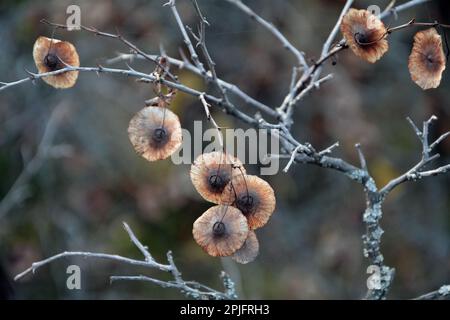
(244, 203)
(366, 35)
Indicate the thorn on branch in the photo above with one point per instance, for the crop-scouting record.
(169, 3)
(442, 293)
(329, 150)
(32, 75)
(429, 121)
(415, 128)
(206, 105)
(129, 67)
(362, 158)
(439, 140)
(292, 159)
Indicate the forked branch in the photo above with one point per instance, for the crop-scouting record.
(294, 150)
(191, 289)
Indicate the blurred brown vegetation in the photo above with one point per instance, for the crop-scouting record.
(311, 248)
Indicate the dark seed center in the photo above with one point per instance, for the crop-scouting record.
(216, 181)
(431, 61)
(361, 38)
(159, 135)
(245, 203)
(51, 61)
(219, 228)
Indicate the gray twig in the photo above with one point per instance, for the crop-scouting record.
(191, 289)
(19, 190)
(206, 106)
(291, 160)
(401, 7)
(312, 73)
(327, 45)
(272, 29)
(294, 150)
(330, 149)
(135, 49)
(417, 172)
(185, 35)
(201, 42)
(362, 158)
(229, 87)
(439, 294)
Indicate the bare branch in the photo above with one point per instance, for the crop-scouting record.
(329, 150)
(291, 160)
(287, 113)
(327, 45)
(428, 173)
(228, 86)
(442, 293)
(119, 37)
(19, 190)
(137, 243)
(185, 35)
(402, 7)
(417, 172)
(272, 29)
(439, 140)
(294, 150)
(201, 42)
(415, 128)
(229, 108)
(313, 72)
(191, 289)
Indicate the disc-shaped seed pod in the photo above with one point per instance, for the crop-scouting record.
(365, 33)
(249, 250)
(253, 196)
(212, 171)
(427, 59)
(221, 230)
(51, 55)
(155, 133)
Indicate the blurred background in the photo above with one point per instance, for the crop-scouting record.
(76, 196)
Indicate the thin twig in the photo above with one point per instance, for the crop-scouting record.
(201, 42)
(327, 45)
(292, 159)
(287, 116)
(442, 293)
(330, 149)
(119, 37)
(191, 289)
(402, 7)
(189, 66)
(272, 29)
(19, 190)
(362, 158)
(311, 74)
(137, 243)
(206, 106)
(185, 35)
(416, 172)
